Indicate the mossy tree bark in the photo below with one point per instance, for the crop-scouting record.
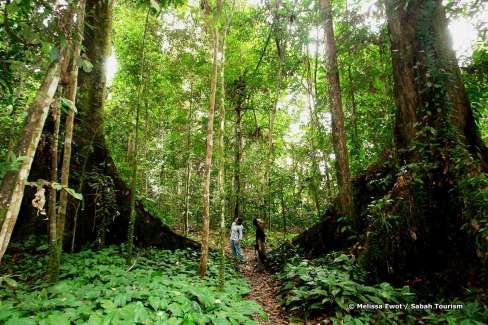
(440, 153)
(428, 86)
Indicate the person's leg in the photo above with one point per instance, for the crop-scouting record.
(233, 247)
(256, 251)
(261, 255)
(238, 252)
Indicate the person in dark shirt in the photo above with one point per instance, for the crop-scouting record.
(260, 242)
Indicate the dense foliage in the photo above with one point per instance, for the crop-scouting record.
(336, 285)
(98, 287)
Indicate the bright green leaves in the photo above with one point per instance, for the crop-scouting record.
(21, 321)
(96, 288)
(57, 318)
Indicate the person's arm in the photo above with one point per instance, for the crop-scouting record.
(240, 232)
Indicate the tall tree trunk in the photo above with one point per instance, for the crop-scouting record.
(188, 170)
(439, 151)
(315, 127)
(13, 183)
(133, 188)
(283, 212)
(52, 213)
(280, 51)
(186, 212)
(202, 268)
(352, 97)
(69, 124)
(412, 73)
(54, 253)
(89, 150)
(338, 132)
(314, 118)
(270, 158)
(144, 178)
(238, 157)
(221, 162)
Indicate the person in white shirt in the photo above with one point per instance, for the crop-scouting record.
(235, 238)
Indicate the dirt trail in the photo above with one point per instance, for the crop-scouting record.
(264, 289)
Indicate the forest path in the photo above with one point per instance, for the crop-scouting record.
(264, 289)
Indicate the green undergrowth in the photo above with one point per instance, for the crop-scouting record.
(334, 287)
(98, 287)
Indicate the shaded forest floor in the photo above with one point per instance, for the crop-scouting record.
(99, 287)
(264, 289)
(163, 287)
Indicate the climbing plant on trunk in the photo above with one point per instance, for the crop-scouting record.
(440, 186)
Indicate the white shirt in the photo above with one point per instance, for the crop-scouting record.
(236, 231)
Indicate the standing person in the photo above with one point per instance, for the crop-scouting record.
(235, 238)
(260, 242)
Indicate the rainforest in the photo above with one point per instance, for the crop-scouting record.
(243, 162)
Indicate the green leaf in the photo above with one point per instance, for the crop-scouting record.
(54, 53)
(56, 186)
(43, 247)
(56, 319)
(21, 321)
(120, 300)
(107, 305)
(375, 299)
(340, 302)
(154, 302)
(9, 281)
(62, 41)
(73, 193)
(175, 309)
(85, 64)
(68, 104)
(95, 319)
(155, 5)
